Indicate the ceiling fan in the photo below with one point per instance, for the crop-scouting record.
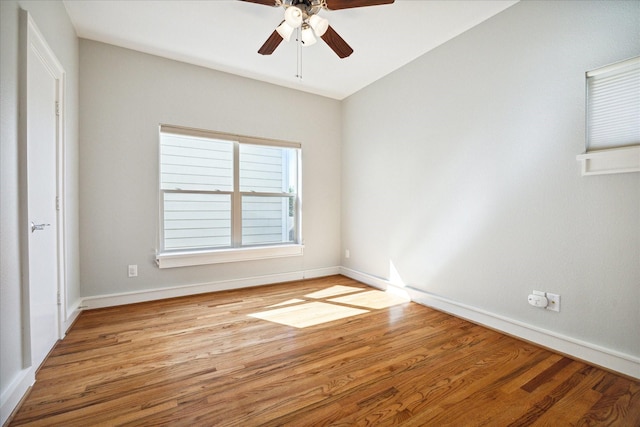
(303, 15)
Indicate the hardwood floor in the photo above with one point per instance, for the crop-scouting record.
(211, 360)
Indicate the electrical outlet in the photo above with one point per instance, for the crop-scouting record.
(554, 302)
(133, 270)
(347, 254)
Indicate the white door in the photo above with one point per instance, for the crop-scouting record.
(42, 129)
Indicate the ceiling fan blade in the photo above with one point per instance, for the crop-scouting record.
(337, 43)
(271, 44)
(347, 4)
(264, 2)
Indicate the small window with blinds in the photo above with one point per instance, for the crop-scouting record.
(612, 119)
(613, 105)
(221, 192)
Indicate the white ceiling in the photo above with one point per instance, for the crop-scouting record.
(226, 34)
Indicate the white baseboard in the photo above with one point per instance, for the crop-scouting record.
(73, 315)
(15, 392)
(321, 272)
(185, 290)
(591, 353)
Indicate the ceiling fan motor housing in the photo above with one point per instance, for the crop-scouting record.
(308, 7)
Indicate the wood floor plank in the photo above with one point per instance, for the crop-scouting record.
(579, 400)
(618, 405)
(204, 360)
(543, 377)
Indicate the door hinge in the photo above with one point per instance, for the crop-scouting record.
(57, 203)
(58, 297)
(57, 108)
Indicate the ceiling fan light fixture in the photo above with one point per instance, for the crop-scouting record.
(319, 25)
(307, 36)
(285, 30)
(293, 16)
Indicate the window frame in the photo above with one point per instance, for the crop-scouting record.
(169, 258)
(611, 156)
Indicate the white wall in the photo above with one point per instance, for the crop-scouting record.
(125, 95)
(52, 20)
(459, 170)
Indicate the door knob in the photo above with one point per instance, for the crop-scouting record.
(35, 227)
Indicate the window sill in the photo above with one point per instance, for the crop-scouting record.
(184, 259)
(614, 160)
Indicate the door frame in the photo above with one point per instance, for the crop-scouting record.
(32, 38)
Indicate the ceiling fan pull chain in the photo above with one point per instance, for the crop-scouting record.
(298, 54)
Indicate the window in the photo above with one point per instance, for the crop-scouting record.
(226, 198)
(613, 119)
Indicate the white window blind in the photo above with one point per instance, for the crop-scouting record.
(613, 105)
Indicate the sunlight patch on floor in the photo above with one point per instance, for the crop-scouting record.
(371, 299)
(310, 314)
